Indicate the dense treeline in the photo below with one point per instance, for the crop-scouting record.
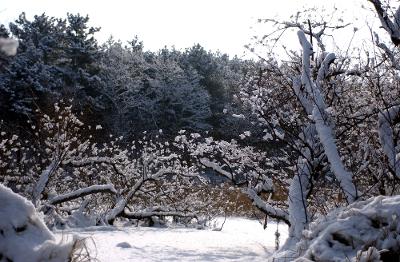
(121, 87)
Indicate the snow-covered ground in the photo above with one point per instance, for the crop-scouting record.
(240, 240)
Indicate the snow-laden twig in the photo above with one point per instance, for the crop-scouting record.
(390, 54)
(93, 160)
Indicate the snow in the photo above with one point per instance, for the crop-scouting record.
(239, 116)
(23, 235)
(8, 46)
(369, 228)
(240, 240)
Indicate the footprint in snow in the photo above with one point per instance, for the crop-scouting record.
(124, 245)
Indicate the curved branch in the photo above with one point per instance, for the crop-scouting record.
(109, 188)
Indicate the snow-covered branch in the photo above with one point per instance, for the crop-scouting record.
(267, 208)
(392, 27)
(217, 168)
(327, 140)
(298, 204)
(314, 29)
(44, 179)
(386, 119)
(109, 188)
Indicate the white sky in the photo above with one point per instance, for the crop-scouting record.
(225, 25)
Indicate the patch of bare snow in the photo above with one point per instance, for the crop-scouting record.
(240, 240)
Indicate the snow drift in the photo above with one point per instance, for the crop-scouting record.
(364, 231)
(23, 234)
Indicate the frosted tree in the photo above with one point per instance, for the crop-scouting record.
(219, 75)
(306, 128)
(123, 70)
(182, 101)
(153, 91)
(57, 57)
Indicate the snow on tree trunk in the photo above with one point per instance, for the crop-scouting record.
(323, 126)
(23, 235)
(385, 122)
(298, 214)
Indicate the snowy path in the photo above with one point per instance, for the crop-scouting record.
(240, 240)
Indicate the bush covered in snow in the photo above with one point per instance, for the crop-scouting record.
(364, 231)
(24, 236)
(76, 181)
